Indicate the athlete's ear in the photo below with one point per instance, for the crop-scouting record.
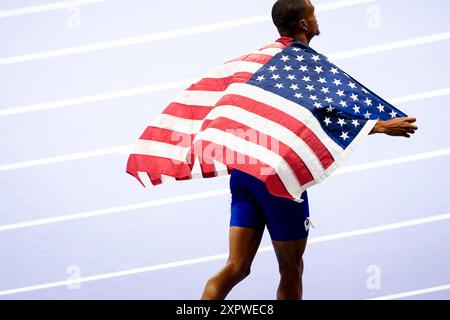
(302, 26)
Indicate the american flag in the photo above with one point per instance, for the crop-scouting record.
(284, 114)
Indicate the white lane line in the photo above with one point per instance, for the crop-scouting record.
(391, 46)
(165, 35)
(68, 157)
(47, 7)
(126, 149)
(413, 293)
(178, 84)
(394, 161)
(181, 263)
(113, 210)
(209, 194)
(422, 96)
(98, 97)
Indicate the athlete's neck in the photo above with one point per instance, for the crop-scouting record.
(302, 38)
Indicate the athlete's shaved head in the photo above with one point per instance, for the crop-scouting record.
(294, 17)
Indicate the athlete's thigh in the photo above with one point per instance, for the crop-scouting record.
(289, 253)
(244, 243)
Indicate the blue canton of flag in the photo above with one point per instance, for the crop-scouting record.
(340, 103)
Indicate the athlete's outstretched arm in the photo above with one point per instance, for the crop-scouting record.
(400, 127)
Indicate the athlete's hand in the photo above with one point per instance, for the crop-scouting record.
(398, 127)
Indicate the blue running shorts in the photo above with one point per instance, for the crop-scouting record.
(252, 206)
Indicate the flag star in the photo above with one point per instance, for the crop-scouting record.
(273, 68)
(343, 103)
(340, 93)
(287, 68)
(303, 68)
(344, 135)
(310, 87)
(284, 58)
(260, 78)
(318, 105)
(380, 107)
(352, 85)
(319, 69)
(368, 102)
(355, 123)
(296, 49)
(337, 82)
(330, 109)
(356, 109)
(367, 115)
(294, 87)
(365, 91)
(327, 121)
(322, 80)
(275, 77)
(325, 90)
(342, 122)
(306, 79)
(334, 70)
(279, 85)
(315, 58)
(328, 99)
(313, 97)
(354, 97)
(300, 58)
(393, 114)
(291, 77)
(298, 95)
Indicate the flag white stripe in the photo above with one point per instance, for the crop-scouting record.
(196, 169)
(187, 126)
(230, 68)
(242, 146)
(289, 107)
(221, 169)
(160, 149)
(269, 51)
(271, 128)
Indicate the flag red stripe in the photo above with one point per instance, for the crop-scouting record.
(274, 45)
(284, 119)
(255, 57)
(220, 84)
(168, 136)
(253, 166)
(293, 160)
(156, 166)
(187, 111)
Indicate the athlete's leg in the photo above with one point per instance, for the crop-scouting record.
(288, 225)
(290, 262)
(244, 243)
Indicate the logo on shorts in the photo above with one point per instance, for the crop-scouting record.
(307, 224)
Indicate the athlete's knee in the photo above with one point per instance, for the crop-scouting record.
(239, 270)
(291, 269)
